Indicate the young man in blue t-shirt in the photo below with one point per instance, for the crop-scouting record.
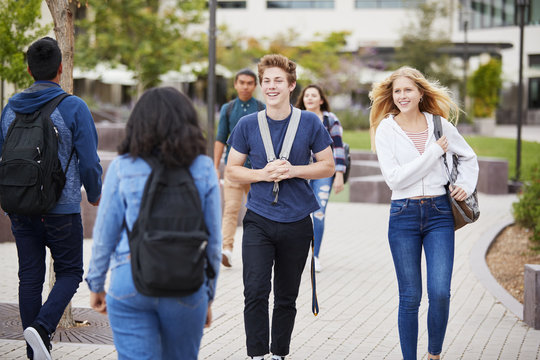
(276, 235)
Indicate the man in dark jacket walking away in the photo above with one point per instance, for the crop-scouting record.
(60, 229)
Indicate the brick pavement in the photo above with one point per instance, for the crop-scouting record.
(357, 295)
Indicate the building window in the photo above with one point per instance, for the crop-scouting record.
(231, 4)
(386, 4)
(300, 4)
(534, 93)
(534, 7)
(534, 61)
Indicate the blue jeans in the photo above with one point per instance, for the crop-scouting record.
(417, 223)
(63, 235)
(152, 327)
(283, 246)
(321, 188)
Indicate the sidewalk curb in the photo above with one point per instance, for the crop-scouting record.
(479, 267)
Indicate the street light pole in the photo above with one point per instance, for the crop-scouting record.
(465, 14)
(211, 98)
(521, 5)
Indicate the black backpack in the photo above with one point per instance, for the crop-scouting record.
(31, 176)
(169, 238)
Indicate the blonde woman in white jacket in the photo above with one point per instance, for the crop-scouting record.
(401, 121)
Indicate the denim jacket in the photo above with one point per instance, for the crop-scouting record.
(122, 194)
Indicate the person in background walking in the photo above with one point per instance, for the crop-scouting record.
(277, 226)
(245, 83)
(60, 230)
(313, 99)
(163, 123)
(401, 119)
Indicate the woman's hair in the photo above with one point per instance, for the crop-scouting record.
(164, 124)
(279, 61)
(436, 99)
(325, 106)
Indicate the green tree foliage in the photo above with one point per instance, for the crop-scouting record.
(484, 87)
(421, 45)
(322, 60)
(18, 29)
(148, 37)
(527, 209)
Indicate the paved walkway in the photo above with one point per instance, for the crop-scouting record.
(357, 295)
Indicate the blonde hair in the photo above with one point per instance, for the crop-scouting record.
(279, 61)
(436, 99)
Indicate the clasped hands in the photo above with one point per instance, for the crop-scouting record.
(278, 170)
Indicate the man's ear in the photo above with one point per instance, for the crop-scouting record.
(60, 69)
(292, 86)
(29, 71)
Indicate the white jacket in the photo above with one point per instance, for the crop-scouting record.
(409, 174)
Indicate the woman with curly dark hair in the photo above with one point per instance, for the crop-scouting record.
(163, 125)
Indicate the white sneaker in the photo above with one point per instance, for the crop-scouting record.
(318, 266)
(226, 257)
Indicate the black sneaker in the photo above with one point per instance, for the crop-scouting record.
(38, 338)
(29, 352)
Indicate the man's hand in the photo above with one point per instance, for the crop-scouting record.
(276, 170)
(97, 202)
(98, 303)
(208, 316)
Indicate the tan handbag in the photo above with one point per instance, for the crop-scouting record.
(466, 211)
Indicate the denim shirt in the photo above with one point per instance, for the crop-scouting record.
(122, 194)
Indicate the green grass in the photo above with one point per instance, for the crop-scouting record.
(483, 146)
(506, 149)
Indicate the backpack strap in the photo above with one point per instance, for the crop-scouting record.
(49, 107)
(230, 106)
(289, 135)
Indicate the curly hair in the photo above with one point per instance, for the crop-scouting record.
(325, 106)
(436, 99)
(279, 61)
(164, 124)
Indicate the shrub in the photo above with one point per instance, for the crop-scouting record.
(484, 87)
(527, 209)
(353, 119)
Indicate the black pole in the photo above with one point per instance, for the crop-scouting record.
(465, 58)
(2, 95)
(211, 77)
(522, 4)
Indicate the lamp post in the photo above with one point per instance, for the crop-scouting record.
(465, 18)
(211, 98)
(521, 7)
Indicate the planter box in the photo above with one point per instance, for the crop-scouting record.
(484, 126)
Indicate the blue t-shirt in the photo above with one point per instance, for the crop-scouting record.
(296, 199)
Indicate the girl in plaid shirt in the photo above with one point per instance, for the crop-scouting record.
(314, 100)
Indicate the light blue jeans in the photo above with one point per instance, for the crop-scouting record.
(417, 223)
(321, 188)
(154, 328)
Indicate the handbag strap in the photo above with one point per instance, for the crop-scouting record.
(438, 132)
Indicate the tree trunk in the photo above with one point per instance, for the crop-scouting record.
(64, 31)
